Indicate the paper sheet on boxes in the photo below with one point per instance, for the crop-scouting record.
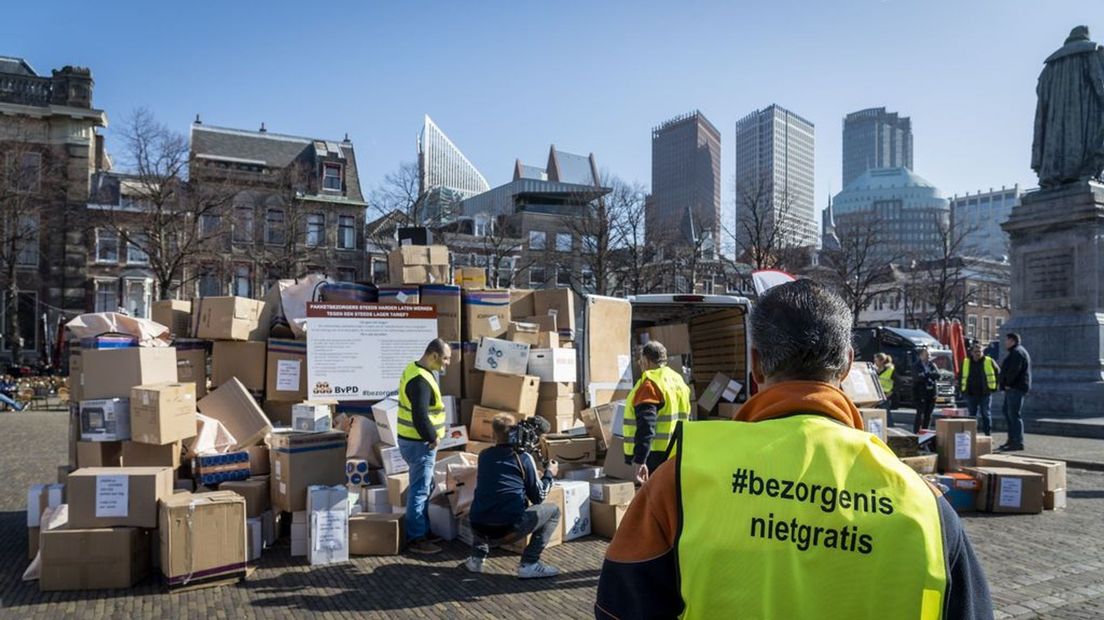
(149, 334)
(53, 518)
(294, 296)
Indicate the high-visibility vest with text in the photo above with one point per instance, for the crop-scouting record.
(676, 407)
(407, 430)
(990, 372)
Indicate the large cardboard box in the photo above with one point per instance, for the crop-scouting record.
(861, 385)
(571, 450)
(452, 379)
(516, 393)
(599, 423)
(117, 496)
(163, 413)
(256, 491)
(720, 388)
(470, 278)
(386, 415)
(984, 445)
(392, 459)
(111, 373)
(446, 298)
(564, 407)
(576, 514)
(527, 333)
(397, 487)
(229, 318)
(231, 404)
(300, 460)
(485, 314)
(674, 337)
(874, 422)
(105, 419)
(521, 302)
(615, 465)
(417, 264)
(1009, 490)
(376, 534)
(203, 538)
(243, 360)
(495, 355)
(481, 425)
(546, 323)
(550, 390)
(363, 434)
(607, 353)
(560, 423)
(553, 365)
(955, 441)
(94, 558)
(610, 491)
(99, 453)
(176, 314)
(137, 454)
(560, 303)
(902, 442)
(1054, 500)
(286, 370)
(191, 364)
(472, 378)
(606, 518)
(1052, 471)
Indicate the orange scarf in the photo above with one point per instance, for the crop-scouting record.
(789, 397)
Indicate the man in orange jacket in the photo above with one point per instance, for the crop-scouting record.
(791, 510)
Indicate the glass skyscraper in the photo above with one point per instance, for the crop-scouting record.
(686, 180)
(874, 138)
(445, 176)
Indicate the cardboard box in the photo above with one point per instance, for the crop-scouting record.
(418, 274)
(243, 360)
(1052, 471)
(441, 520)
(586, 473)
(452, 410)
(363, 434)
(545, 324)
(485, 314)
(376, 534)
(256, 491)
(300, 460)
(599, 424)
(386, 415)
(411, 264)
(470, 278)
(555, 496)
(552, 389)
(412, 255)
(674, 337)
(874, 422)
(1009, 490)
(374, 498)
(163, 413)
(615, 465)
(117, 496)
(955, 441)
(460, 482)
(606, 518)
(861, 385)
(213, 469)
(328, 508)
(399, 294)
(471, 379)
(508, 392)
(211, 436)
(148, 455)
(397, 486)
(229, 318)
(76, 376)
(560, 423)
(446, 298)
(576, 514)
(526, 333)
(475, 447)
(494, 355)
(482, 417)
(391, 457)
(921, 464)
(610, 491)
(902, 442)
(39, 498)
(560, 303)
(1054, 500)
(451, 381)
(93, 558)
(231, 404)
(312, 416)
(962, 490)
(521, 302)
(286, 370)
(455, 437)
(984, 445)
(99, 453)
(191, 364)
(573, 450)
(203, 538)
(729, 411)
(106, 419)
(259, 460)
(553, 365)
(720, 388)
(254, 538)
(176, 314)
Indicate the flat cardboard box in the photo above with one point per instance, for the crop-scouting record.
(231, 404)
(508, 392)
(557, 302)
(256, 491)
(921, 464)
(553, 365)
(446, 299)
(576, 513)
(482, 417)
(615, 465)
(229, 318)
(376, 534)
(606, 518)
(526, 333)
(148, 455)
(300, 460)
(397, 486)
(1009, 490)
(955, 441)
(552, 389)
(93, 558)
(572, 450)
(105, 419)
(1052, 471)
(452, 379)
(399, 294)
(99, 453)
(861, 385)
(610, 491)
(874, 422)
(720, 388)
(163, 413)
(495, 355)
(202, 538)
(243, 360)
(521, 302)
(176, 314)
(1054, 500)
(191, 366)
(117, 496)
(485, 313)
(470, 278)
(599, 424)
(286, 370)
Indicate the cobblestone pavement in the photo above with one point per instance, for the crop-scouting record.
(1041, 566)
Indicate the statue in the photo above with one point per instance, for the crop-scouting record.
(1069, 116)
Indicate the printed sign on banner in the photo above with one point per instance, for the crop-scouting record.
(358, 351)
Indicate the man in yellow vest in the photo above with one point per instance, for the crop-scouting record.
(421, 424)
(791, 510)
(657, 403)
(977, 383)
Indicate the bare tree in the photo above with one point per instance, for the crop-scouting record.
(861, 262)
(762, 236)
(399, 191)
(504, 252)
(937, 280)
(633, 258)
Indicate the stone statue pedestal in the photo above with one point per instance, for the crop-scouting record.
(1057, 254)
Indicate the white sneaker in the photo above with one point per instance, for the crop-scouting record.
(474, 565)
(537, 570)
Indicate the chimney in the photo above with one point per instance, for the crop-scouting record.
(197, 121)
(262, 129)
(347, 137)
(101, 160)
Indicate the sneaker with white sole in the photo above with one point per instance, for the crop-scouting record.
(474, 565)
(537, 570)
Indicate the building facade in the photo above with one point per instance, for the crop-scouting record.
(686, 180)
(911, 214)
(445, 176)
(874, 138)
(978, 217)
(775, 159)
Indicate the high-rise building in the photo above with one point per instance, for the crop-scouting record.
(686, 180)
(911, 214)
(774, 166)
(978, 218)
(445, 176)
(874, 138)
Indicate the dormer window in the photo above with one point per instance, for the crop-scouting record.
(331, 177)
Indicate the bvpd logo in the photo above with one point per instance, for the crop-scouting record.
(323, 387)
(348, 389)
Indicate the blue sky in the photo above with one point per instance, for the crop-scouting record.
(506, 79)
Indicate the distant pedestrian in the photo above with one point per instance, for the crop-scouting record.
(978, 382)
(1015, 380)
(883, 363)
(924, 377)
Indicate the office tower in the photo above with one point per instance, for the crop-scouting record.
(874, 138)
(686, 180)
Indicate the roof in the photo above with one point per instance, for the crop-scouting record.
(531, 172)
(564, 167)
(16, 66)
(888, 178)
(260, 147)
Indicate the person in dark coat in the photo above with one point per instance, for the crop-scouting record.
(1015, 381)
(924, 376)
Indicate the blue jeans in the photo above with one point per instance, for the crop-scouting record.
(540, 520)
(978, 407)
(1013, 403)
(420, 457)
(10, 402)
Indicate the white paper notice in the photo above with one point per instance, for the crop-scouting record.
(277, 463)
(1011, 492)
(876, 427)
(401, 296)
(112, 496)
(624, 368)
(330, 526)
(287, 375)
(731, 391)
(963, 446)
(494, 322)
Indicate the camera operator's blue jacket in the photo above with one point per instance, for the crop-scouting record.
(506, 484)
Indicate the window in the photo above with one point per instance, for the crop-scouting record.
(346, 232)
(997, 324)
(209, 284)
(316, 229)
(590, 244)
(209, 224)
(27, 317)
(137, 298)
(971, 326)
(563, 242)
(379, 270)
(243, 224)
(331, 177)
(243, 281)
(136, 249)
(346, 274)
(27, 241)
(536, 275)
(107, 246)
(274, 227)
(25, 170)
(563, 276)
(536, 240)
(986, 334)
(106, 295)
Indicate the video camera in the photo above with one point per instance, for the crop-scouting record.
(525, 437)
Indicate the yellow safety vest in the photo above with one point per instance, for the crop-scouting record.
(796, 517)
(676, 408)
(990, 372)
(886, 379)
(407, 430)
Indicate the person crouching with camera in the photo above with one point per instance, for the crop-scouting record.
(508, 503)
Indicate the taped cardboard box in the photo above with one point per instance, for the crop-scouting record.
(874, 422)
(552, 389)
(203, 538)
(99, 453)
(148, 455)
(256, 492)
(470, 278)
(286, 370)
(376, 534)
(232, 405)
(93, 558)
(117, 496)
(560, 303)
(176, 314)
(111, 373)
(229, 318)
(525, 333)
(599, 423)
(503, 356)
(508, 392)
(521, 302)
(415, 255)
(955, 441)
(446, 299)
(606, 518)
(419, 274)
(163, 413)
(1052, 471)
(720, 388)
(485, 313)
(482, 417)
(397, 486)
(1009, 490)
(615, 466)
(300, 460)
(191, 364)
(242, 360)
(574, 450)
(105, 419)
(553, 365)
(610, 491)
(563, 407)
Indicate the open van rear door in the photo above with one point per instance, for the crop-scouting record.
(607, 349)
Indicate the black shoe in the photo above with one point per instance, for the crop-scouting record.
(433, 538)
(1016, 448)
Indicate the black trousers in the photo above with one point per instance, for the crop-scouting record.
(925, 405)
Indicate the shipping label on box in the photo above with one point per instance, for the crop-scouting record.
(312, 416)
(502, 356)
(485, 314)
(516, 393)
(105, 419)
(874, 422)
(553, 365)
(1052, 471)
(163, 413)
